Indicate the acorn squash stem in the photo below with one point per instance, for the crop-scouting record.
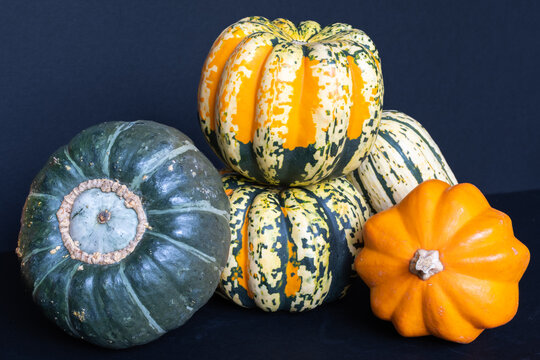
(425, 263)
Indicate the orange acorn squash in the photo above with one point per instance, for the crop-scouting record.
(442, 262)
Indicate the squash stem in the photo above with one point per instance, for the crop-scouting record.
(425, 263)
(104, 216)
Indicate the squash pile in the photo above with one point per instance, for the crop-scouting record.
(296, 113)
(129, 229)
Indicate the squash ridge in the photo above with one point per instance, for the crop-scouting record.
(183, 246)
(198, 206)
(40, 281)
(111, 141)
(75, 166)
(153, 166)
(66, 299)
(137, 301)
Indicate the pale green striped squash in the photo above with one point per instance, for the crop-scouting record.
(403, 156)
(292, 248)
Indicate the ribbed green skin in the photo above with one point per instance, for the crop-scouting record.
(403, 156)
(174, 269)
(293, 248)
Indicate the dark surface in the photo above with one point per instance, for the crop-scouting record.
(343, 329)
(467, 70)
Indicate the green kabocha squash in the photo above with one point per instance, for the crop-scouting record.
(403, 156)
(287, 105)
(293, 248)
(124, 233)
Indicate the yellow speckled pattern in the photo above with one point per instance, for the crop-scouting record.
(403, 156)
(292, 249)
(291, 105)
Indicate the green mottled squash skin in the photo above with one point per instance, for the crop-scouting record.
(174, 268)
(292, 248)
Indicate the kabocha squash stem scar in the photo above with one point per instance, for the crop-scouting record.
(131, 201)
(442, 262)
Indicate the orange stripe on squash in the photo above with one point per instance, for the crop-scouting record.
(299, 124)
(360, 107)
(214, 69)
(246, 96)
(294, 282)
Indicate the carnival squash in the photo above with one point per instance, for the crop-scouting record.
(124, 233)
(291, 249)
(442, 262)
(403, 156)
(291, 105)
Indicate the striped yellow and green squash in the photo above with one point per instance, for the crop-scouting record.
(292, 248)
(403, 156)
(288, 105)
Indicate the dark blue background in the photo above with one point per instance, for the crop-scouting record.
(468, 71)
